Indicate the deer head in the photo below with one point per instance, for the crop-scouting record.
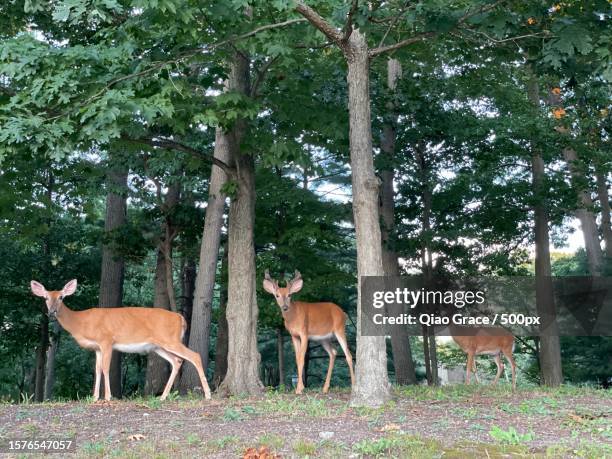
(283, 294)
(54, 299)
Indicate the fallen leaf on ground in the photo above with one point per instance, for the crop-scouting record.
(136, 437)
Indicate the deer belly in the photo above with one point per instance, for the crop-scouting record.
(489, 352)
(321, 337)
(134, 348)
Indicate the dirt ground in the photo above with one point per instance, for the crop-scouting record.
(453, 421)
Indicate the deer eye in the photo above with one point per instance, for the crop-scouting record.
(61, 297)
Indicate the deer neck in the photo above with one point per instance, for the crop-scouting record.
(67, 318)
(293, 313)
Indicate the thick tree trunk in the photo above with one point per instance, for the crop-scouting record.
(51, 355)
(550, 349)
(604, 202)
(585, 214)
(113, 265)
(199, 338)
(372, 386)
(243, 357)
(157, 368)
(400, 341)
(221, 348)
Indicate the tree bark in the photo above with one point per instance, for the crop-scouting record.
(113, 265)
(429, 339)
(400, 341)
(199, 338)
(585, 214)
(221, 351)
(280, 346)
(550, 349)
(157, 368)
(188, 281)
(243, 357)
(41, 357)
(43, 342)
(51, 355)
(604, 202)
(372, 386)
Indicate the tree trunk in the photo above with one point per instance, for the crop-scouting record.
(550, 349)
(604, 201)
(41, 357)
(372, 386)
(280, 346)
(400, 341)
(199, 338)
(43, 342)
(585, 214)
(51, 355)
(429, 339)
(221, 351)
(113, 265)
(243, 357)
(157, 368)
(188, 281)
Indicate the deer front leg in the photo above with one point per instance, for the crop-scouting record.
(96, 391)
(300, 345)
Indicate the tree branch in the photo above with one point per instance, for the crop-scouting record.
(421, 36)
(174, 145)
(261, 75)
(400, 44)
(316, 20)
(348, 28)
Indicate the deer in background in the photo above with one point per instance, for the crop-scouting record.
(131, 330)
(315, 321)
(488, 341)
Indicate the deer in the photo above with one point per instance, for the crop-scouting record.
(485, 341)
(126, 329)
(310, 321)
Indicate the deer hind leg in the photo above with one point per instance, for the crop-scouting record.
(107, 354)
(500, 367)
(176, 363)
(341, 337)
(183, 352)
(468, 367)
(96, 391)
(327, 345)
(508, 354)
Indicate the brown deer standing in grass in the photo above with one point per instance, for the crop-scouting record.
(131, 330)
(488, 341)
(315, 321)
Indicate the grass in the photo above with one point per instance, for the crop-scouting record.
(399, 445)
(510, 436)
(304, 448)
(287, 424)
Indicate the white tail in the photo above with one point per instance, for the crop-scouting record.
(316, 321)
(489, 341)
(132, 330)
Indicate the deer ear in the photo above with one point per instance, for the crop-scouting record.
(269, 286)
(295, 285)
(70, 287)
(38, 289)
